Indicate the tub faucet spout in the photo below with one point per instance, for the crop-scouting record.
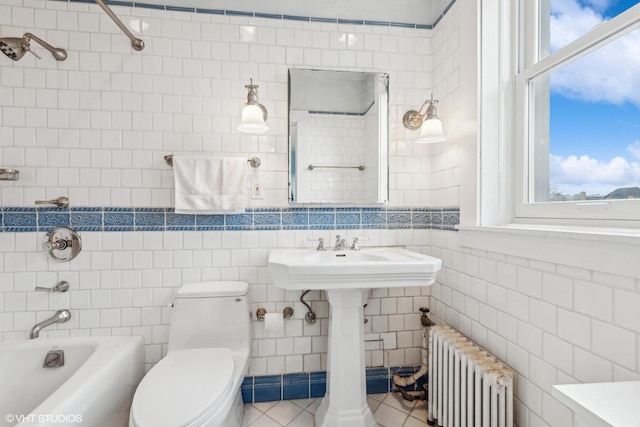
(61, 316)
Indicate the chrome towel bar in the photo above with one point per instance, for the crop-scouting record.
(254, 162)
(312, 167)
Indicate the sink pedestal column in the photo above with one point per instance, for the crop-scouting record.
(345, 403)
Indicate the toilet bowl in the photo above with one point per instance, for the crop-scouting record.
(198, 382)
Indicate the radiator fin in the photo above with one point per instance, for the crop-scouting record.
(468, 387)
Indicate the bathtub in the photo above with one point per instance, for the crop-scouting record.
(94, 388)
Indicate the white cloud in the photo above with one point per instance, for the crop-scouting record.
(569, 21)
(610, 74)
(598, 4)
(573, 174)
(634, 149)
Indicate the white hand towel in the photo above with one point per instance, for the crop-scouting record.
(209, 184)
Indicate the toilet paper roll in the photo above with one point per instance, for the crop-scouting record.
(274, 324)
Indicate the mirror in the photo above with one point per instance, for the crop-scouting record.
(338, 137)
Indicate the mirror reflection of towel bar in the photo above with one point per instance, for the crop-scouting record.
(312, 167)
(254, 162)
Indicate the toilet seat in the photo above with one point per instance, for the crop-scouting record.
(185, 386)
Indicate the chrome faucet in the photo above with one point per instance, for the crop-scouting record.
(340, 243)
(355, 246)
(61, 316)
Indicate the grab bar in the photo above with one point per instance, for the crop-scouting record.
(254, 162)
(312, 167)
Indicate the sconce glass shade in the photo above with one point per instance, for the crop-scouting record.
(428, 122)
(254, 115)
(431, 131)
(252, 120)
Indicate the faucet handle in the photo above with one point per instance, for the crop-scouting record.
(62, 286)
(355, 246)
(320, 241)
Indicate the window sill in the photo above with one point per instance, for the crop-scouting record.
(608, 250)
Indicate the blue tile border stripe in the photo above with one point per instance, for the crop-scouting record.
(280, 17)
(18, 219)
(305, 385)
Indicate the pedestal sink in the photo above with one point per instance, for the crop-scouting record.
(346, 277)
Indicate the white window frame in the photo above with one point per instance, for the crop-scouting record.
(487, 201)
(606, 212)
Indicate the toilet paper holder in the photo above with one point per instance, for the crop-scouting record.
(287, 313)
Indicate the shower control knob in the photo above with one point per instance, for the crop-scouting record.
(424, 309)
(62, 244)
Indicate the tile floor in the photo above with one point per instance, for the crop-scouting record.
(389, 410)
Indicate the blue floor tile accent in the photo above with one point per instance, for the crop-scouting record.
(246, 389)
(377, 380)
(314, 384)
(296, 386)
(267, 388)
(318, 384)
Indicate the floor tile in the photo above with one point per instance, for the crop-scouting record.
(264, 406)
(413, 422)
(389, 410)
(305, 419)
(314, 406)
(284, 412)
(251, 414)
(265, 421)
(420, 411)
(303, 403)
(373, 403)
(396, 400)
(389, 417)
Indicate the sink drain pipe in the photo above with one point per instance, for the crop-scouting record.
(402, 382)
(310, 316)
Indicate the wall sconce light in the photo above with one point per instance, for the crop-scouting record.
(254, 115)
(428, 122)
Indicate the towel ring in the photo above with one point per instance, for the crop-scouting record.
(254, 162)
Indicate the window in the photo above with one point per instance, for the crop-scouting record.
(578, 110)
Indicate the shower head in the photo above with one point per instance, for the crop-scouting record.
(12, 47)
(15, 47)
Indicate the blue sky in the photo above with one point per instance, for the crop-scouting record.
(595, 104)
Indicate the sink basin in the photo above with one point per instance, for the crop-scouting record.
(346, 277)
(367, 268)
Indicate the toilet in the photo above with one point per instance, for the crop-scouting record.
(198, 383)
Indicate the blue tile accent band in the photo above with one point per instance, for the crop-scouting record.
(306, 385)
(22, 219)
(270, 15)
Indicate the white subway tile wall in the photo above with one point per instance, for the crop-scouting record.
(552, 323)
(565, 333)
(96, 128)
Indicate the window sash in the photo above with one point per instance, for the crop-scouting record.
(535, 68)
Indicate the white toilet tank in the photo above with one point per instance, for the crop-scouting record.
(211, 314)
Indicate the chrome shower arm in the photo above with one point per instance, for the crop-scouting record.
(136, 43)
(59, 54)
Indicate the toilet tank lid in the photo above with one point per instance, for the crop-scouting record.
(213, 289)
